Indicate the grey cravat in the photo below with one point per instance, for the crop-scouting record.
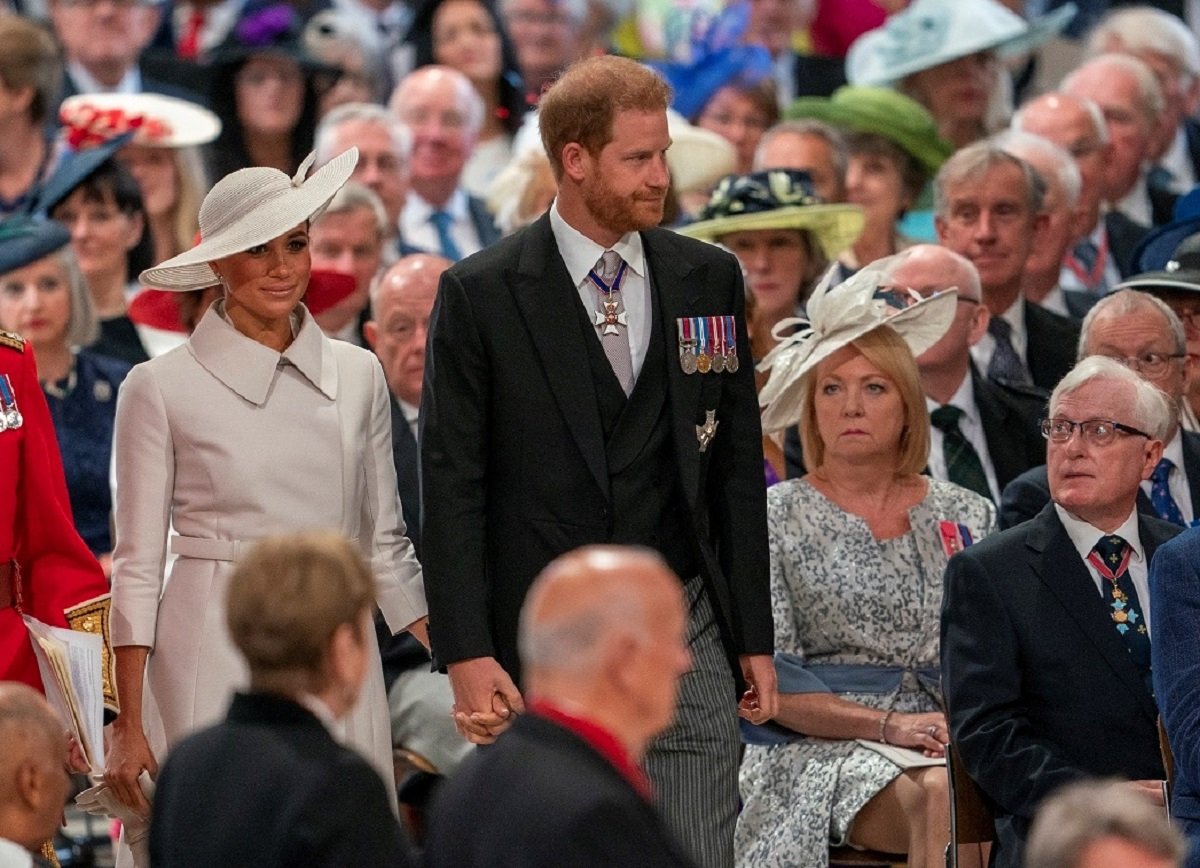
(614, 336)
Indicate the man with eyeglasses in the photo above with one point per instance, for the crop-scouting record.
(1046, 627)
(1103, 250)
(1139, 331)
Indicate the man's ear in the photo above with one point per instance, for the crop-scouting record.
(371, 333)
(575, 161)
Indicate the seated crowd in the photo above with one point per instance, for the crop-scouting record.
(952, 249)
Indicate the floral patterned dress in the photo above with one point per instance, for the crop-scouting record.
(842, 597)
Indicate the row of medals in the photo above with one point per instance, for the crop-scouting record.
(692, 361)
(10, 417)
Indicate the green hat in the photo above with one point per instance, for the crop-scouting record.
(884, 112)
(776, 199)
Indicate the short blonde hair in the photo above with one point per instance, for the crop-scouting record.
(888, 352)
(288, 597)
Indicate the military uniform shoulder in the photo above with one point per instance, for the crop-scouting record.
(12, 340)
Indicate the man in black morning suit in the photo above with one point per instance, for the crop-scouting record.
(1045, 657)
(532, 446)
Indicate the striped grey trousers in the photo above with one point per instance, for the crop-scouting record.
(693, 765)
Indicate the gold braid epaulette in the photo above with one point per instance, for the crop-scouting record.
(91, 616)
(12, 340)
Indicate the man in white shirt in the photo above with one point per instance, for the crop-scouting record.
(443, 114)
(33, 781)
(988, 208)
(1046, 626)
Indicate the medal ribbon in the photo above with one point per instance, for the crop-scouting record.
(729, 334)
(714, 326)
(605, 288)
(702, 327)
(1104, 570)
(6, 393)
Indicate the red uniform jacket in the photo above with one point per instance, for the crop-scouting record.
(56, 570)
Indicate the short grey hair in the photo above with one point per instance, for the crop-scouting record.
(82, 326)
(366, 113)
(1127, 301)
(1065, 172)
(1084, 812)
(1153, 411)
(1150, 95)
(973, 288)
(816, 129)
(354, 196)
(1145, 29)
(973, 162)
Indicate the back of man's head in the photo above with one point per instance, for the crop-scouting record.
(33, 782)
(603, 629)
(1100, 823)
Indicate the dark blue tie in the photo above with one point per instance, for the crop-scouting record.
(1006, 366)
(1160, 493)
(442, 222)
(1111, 557)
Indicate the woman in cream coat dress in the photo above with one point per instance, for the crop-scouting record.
(258, 425)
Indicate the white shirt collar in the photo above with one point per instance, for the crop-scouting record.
(581, 253)
(456, 206)
(963, 398)
(131, 82)
(320, 710)
(13, 855)
(1085, 536)
(411, 412)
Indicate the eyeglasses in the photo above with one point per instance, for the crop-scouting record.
(1152, 364)
(1095, 432)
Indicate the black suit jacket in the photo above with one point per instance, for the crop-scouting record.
(1010, 427)
(514, 466)
(1038, 683)
(1124, 236)
(1051, 344)
(270, 787)
(541, 796)
(1029, 493)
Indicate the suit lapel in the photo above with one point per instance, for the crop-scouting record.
(675, 288)
(1191, 466)
(549, 305)
(1058, 565)
(1004, 449)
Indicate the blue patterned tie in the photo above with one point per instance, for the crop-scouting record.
(1160, 493)
(1111, 557)
(442, 222)
(1006, 366)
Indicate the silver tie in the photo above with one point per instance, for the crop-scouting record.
(614, 340)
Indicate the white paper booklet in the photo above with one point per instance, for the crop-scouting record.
(904, 757)
(70, 665)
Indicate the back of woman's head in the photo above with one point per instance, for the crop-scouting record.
(289, 595)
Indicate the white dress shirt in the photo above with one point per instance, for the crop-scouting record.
(13, 855)
(1178, 161)
(130, 83)
(1136, 204)
(971, 426)
(1015, 317)
(412, 415)
(1085, 537)
(1177, 480)
(580, 254)
(418, 230)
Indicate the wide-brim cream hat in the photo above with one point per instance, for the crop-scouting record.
(249, 207)
(837, 315)
(776, 199)
(698, 158)
(931, 32)
(156, 121)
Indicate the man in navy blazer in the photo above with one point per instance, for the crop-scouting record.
(1175, 607)
(1045, 626)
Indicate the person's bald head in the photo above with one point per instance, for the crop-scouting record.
(401, 303)
(33, 782)
(930, 268)
(604, 629)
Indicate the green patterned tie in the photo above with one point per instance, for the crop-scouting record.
(963, 466)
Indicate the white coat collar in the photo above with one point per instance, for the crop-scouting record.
(248, 368)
